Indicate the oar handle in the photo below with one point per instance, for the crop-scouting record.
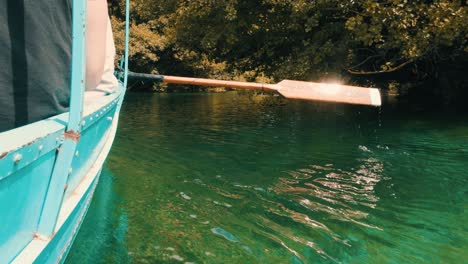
(145, 77)
(210, 82)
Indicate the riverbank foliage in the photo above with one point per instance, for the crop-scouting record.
(396, 41)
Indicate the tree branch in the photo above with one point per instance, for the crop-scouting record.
(380, 72)
(364, 61)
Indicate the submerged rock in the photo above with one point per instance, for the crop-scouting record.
(221, 232)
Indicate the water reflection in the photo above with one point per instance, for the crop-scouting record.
(336, 192)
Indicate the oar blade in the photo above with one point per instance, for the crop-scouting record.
(329, 92)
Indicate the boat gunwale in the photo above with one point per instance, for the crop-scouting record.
(40, 138)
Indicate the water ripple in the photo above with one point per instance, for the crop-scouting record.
(229, 179)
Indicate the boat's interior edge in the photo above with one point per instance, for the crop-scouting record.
(28, 146)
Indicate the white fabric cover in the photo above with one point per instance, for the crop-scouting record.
(109, 82)
(95, 42)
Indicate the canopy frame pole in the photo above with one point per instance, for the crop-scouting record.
(66, 151)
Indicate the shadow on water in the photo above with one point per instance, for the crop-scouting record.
(228, 178)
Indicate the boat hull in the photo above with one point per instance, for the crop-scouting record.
(57, 249)
(25, 172)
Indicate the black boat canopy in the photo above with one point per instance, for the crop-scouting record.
(35, 57)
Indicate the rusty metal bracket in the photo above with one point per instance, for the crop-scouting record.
(72, 135)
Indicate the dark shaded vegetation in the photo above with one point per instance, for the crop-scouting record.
(405, 47)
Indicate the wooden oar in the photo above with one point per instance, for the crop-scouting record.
(327, 92)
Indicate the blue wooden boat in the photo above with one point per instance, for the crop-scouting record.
(49, 169)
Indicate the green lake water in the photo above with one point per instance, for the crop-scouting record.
(231, 178)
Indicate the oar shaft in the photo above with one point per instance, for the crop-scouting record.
(221, 83)
(201, 81)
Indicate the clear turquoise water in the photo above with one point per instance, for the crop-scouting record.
(228, 178)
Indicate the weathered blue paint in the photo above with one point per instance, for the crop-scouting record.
(44, 164)
(21, 198)
(23, 191)
(60, 250)
(88, 149)
(56, 189)
(57, 249)
(23, 183)
(78, 70)
(37, 140)
(66, 152)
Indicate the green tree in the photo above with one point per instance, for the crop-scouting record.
(392, 34)
(270, 40)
